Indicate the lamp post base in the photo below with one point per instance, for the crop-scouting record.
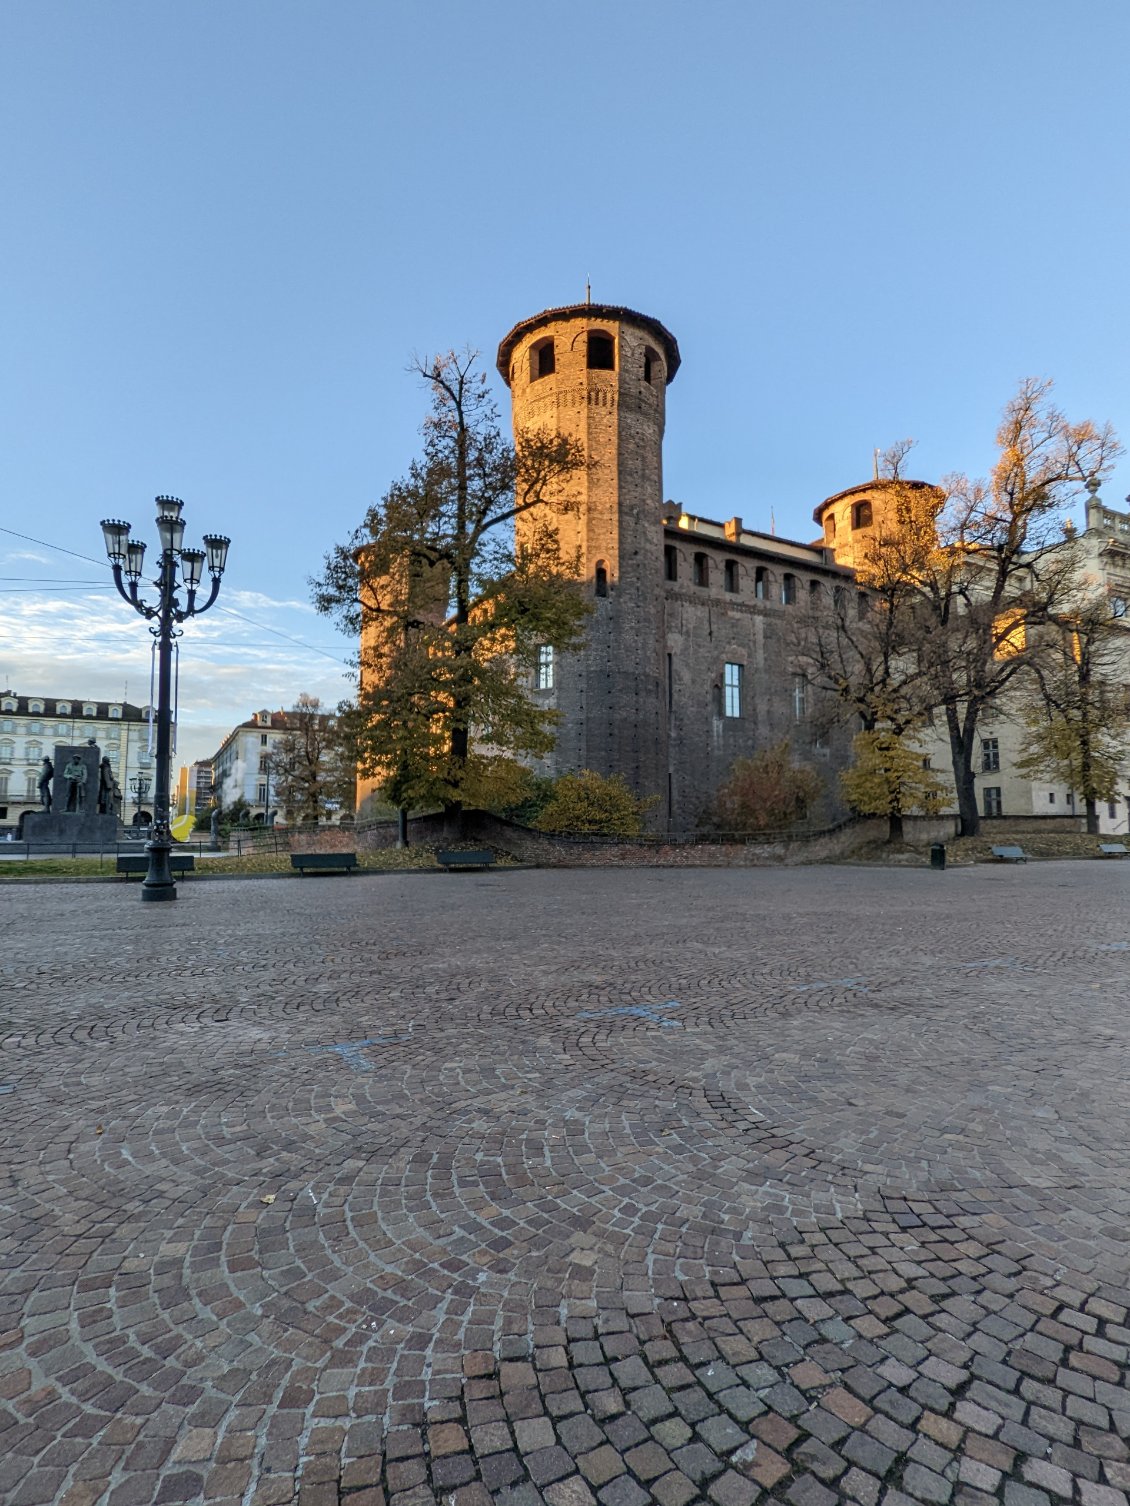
(158, 883)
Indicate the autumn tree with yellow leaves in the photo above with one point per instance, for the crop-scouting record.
(449, 611)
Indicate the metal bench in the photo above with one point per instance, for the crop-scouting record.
(323, 862)
(482, 858)
(1113, 849)
(179, 862)
(1010, 854)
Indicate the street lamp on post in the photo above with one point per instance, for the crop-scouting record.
(139, 784)
(179, 567)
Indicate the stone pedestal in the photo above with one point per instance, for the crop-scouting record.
(83, 824)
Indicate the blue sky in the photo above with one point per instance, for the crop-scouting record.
(228, 227)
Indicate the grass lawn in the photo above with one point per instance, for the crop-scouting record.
(221, 867)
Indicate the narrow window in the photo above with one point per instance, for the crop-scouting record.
(262, 739)
(788, 590)
(601, 353)
(544, 678)
(732, 690)
(601, 581)
(993, 800)
(830, 528)
(815, 592)
(670, 562)
(542, 361)
(861, 515)
(701, 570)
(670, 682)
(800, 697)
(647, 367)
(731, 575)
(32, 785)
(1051, 797)
(4, 784)
(262, 793)
(1112, 809)
(990, 754)
(761, 583)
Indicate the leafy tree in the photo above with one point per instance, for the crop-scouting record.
(593, 804)
(1076, 710)
(313, 768)
(983, 560)
(888, 777)
(767, 792)
(449, 610)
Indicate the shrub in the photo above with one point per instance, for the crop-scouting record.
(767, 792)
(591, 804)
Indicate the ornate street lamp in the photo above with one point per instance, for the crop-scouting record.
(127, 556)
(139, 784)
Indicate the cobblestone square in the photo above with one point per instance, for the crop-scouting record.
(687, 1186)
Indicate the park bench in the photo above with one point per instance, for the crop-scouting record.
(1010, 854)
(1113, 849)
(481, 858)
(323, 862)
(179, 862)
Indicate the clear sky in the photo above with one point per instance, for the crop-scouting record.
(228, 226)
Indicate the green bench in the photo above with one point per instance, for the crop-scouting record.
(1113, 849)
(323, 862)
(1010, 854)
(482, 858)
(179, 862)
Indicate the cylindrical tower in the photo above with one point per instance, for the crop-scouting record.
(598, 373)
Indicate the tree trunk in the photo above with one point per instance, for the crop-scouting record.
(454, 825)
(894, 826)
(965, 787)
(1092, 808)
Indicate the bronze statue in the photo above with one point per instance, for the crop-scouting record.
(74, 772)
(105, 788)
(46, 775)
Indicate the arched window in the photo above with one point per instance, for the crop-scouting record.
(601, 580)
(115, 713)
(861, 515)
(761, 583)
(35, 706)
(543, 361)
(731, 575)
(62, 708)
(652, 367)
(670, 562)
(830, 528)
(815, 592)
(33, 751)
(601, 352)
(788, 590)
(89, 710)
(701, 570)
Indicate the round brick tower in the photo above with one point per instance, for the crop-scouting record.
(599, 373)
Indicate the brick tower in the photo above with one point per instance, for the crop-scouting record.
(599, 374)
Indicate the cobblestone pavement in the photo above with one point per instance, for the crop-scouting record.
(700, 1186)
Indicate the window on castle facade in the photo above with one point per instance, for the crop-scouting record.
(788, 590)
(761, 583)
(601, 581)
(731, 578)
(670, 562)
(800, 697)
(701, 570)
(861, 515)
(648, 366)
(830, 529)
(543, 361)
(543, 677)
(732, 690)
(601, 352)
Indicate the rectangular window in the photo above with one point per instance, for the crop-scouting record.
(262, 793)
(732, 690)
(670, 681)
(992, 797)
(670, 562)
(1051, 797)
(1112, 809)
(701, 570)
(3, 786)
(544, 675)
(800, 697)
(990, 754)
(262, 739)
(731, 576)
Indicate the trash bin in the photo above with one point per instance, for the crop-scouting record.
(938, 855)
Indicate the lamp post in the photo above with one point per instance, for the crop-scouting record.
(179, 567)
(139, 784)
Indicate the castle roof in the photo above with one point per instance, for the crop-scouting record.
(590, 311)
(878, 484)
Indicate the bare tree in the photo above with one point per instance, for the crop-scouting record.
(313, 773)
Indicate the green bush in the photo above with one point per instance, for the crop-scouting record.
(588, 804)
